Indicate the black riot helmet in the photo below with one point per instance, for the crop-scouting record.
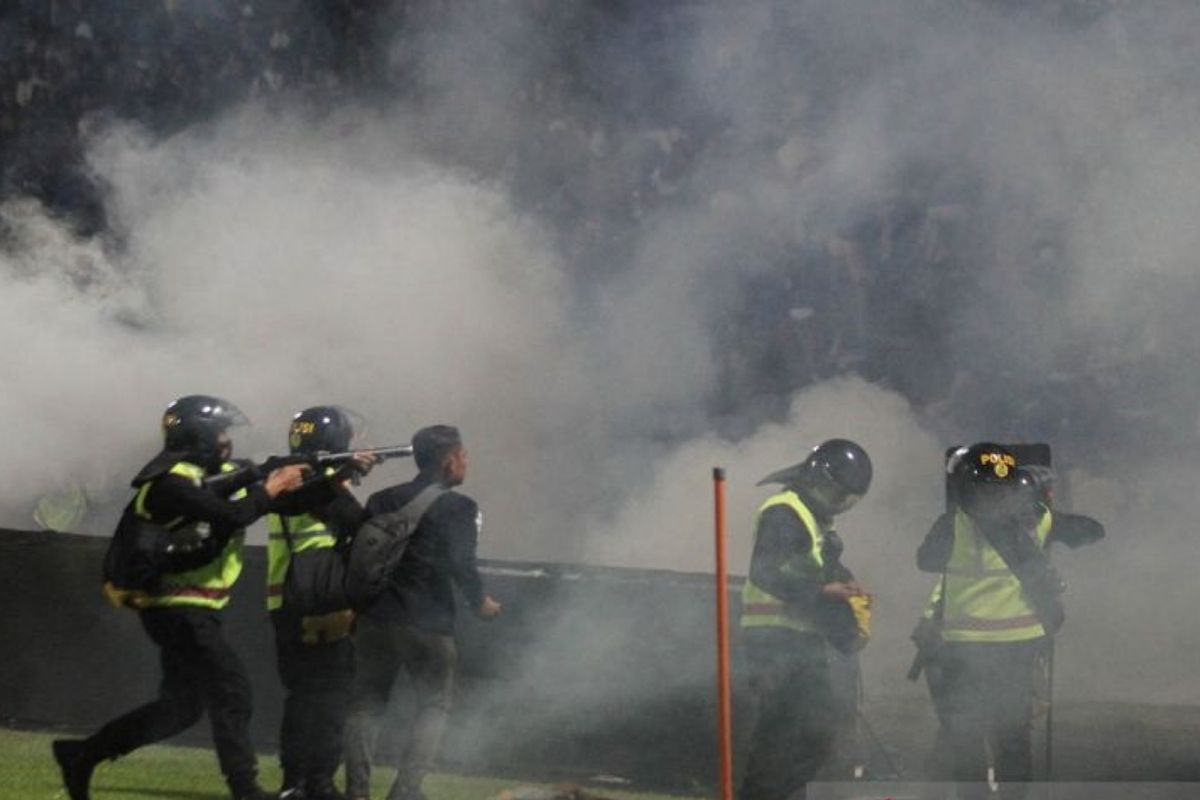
(193, 425)
(324, 429)
(835, 476)
(986, 480)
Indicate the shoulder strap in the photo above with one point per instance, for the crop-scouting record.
(287, 533)
(1037, 578)
(415, 509)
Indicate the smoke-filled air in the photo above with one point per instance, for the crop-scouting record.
(619, 244)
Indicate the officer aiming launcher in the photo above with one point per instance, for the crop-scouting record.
(319, 437)
(322, 458)
(319, 461)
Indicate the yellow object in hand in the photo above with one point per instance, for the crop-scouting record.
(860, 604)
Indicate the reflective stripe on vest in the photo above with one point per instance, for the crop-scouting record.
(207, 586)
(760, 609)
(984, 599)
(306, 532)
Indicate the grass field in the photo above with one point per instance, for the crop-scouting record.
(28, 772)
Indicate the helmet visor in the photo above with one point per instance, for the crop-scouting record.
(833, 497)
(358, 424)
(226, 414)
(186, 420)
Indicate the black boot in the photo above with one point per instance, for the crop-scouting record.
(76, 766)
(293, 789)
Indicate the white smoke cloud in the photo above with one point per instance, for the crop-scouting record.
(280, 271)
(389, 262)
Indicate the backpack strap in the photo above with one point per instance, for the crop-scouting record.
(287, 534)
(1037, 577)
(415, 509)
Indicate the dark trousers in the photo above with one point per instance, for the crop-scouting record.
(987, 701)
(428, 661)
(793, 715)
(200, 672)
(939, 764)
(317, 679)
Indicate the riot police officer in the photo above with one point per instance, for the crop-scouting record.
(181, 612)
(308, 533)
(798, 600)
(998, 604)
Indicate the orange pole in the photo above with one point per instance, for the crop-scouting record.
(724, 704)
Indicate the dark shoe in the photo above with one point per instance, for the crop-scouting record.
(254, 793)
(294, 788)
(75, 766)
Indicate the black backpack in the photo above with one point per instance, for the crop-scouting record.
(380, 544)
(142, 551)
(316, 579)
(134, 559)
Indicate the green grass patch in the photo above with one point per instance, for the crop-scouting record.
(162, 772)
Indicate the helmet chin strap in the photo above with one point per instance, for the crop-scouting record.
(814, 505)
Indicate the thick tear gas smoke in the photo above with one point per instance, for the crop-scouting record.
(278, 279)
(619, 247)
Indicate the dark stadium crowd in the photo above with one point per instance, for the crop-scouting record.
(65, 65)
(862, 294)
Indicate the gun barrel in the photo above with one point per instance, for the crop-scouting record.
(226, 479)
(382, 453)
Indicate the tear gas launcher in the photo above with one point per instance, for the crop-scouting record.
(247, 472)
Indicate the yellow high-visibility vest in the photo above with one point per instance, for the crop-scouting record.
(761, 609)
(984, 599)
(207, 586)
(304, 532)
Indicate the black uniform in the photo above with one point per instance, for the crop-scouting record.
(411, 628)
(315, 654)
(201, 672)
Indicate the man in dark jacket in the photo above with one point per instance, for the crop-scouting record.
(181, 612)
(411, 626)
